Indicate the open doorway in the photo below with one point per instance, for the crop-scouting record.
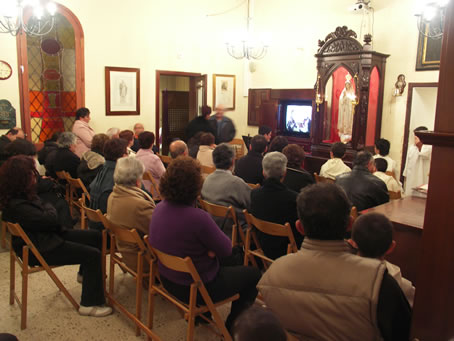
(179, 99)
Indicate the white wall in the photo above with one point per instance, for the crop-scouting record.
(178, 35)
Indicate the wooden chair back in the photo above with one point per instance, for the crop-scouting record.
(3, 235)
(191, 310)
(319, 179)
(269, 228)
(23, 261)
(253, 186)
(240, 147)
(76, 186)
(62, 175)
(394, 195)
(206, 170)
(124, 235)
(226, 213)
(154, 188)
(165, 159)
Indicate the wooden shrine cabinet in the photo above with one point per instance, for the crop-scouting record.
(255, 98)
(349, 93)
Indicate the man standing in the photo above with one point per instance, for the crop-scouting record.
(325, 293)
(138, 129)
(200, 123)
(223, 126)
(417, 166)
(363, 188)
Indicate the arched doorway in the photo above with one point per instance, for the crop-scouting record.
(52, 80)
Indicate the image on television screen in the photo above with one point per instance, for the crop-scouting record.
(298, 118)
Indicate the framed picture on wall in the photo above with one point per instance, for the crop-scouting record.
(429, 52)
(122, 91)
(224, 91)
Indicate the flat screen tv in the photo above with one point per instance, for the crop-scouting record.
(298, 117)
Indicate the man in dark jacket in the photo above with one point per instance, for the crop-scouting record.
(10, 136)
(223, 126)
(249, 167)
(200, 123)
(363, 188)
(63, 158)
(274, 202)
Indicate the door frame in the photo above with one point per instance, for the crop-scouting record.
(160, 73)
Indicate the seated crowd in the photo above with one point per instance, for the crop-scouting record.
(331, 289)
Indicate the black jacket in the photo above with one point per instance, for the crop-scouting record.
(227, 130)
(274, 202)
(38, 219)
(198, 124)
(49, 146)
(62, 159)
(297, 179)
(363, 188)
(249, 168)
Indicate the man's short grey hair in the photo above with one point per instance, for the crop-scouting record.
(274, 165)
(177, 148)
(66, 139)
(128, 170)
(112, 132)
(223, 156)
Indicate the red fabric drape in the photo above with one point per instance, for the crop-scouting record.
(372, 111)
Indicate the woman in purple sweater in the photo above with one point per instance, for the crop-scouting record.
(180, 229)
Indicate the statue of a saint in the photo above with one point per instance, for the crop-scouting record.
(123, 91)
(346, 110)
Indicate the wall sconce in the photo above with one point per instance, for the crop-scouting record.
(399, 86)
(318, 97)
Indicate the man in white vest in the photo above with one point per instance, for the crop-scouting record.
(324, 292)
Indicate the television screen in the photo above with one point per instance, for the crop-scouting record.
(298, 118)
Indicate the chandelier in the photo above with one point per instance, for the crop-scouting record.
(431, 18)
(247, 46)
(28, 16)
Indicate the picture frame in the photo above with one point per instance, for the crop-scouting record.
(224, 91)
(429, 52)
(122, 91)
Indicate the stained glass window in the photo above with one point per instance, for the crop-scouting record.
(52, 80)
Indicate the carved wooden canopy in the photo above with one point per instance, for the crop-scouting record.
(341, 40)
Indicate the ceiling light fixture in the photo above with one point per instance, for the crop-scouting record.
(431, 18)
(28, 16)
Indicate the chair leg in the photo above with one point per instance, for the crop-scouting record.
(112, 269)
(191, 317)
(139, 291)
(12, 277)
(103, 259)
(23, 323)
(3, 237)
(82, 219)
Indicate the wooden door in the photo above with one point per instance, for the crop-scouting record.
(255, 98)
(269, 115)
(175, 116)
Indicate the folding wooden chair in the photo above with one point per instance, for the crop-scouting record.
(207, 170)
(17, 231)
(62, 175)
(76, 186)
(3, 236)
(190, 310)
(124, 235)
(253, 186)
(269, 228)
(165, 159)
(319, 179)
(154, 188)
(394, 195)
(226, 213)
(240, 148)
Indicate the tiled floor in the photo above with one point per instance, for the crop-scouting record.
(52, 317)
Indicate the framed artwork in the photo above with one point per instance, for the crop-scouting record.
(224, 91)
(122, 91)
(429, 52)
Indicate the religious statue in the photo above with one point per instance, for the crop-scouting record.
(123, 91)
(346, 111)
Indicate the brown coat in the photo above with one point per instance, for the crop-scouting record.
(131, 208)
(324, 293)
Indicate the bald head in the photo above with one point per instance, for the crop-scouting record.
(138, 128)
(220, 109)
(178, 148)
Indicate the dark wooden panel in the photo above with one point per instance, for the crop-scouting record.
(255, 98)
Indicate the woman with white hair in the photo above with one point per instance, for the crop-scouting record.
(64, 157)
(128, 205)
(276, 203)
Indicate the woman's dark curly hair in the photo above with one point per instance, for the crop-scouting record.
(295, 155)
(17, 178)
(182, 181)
